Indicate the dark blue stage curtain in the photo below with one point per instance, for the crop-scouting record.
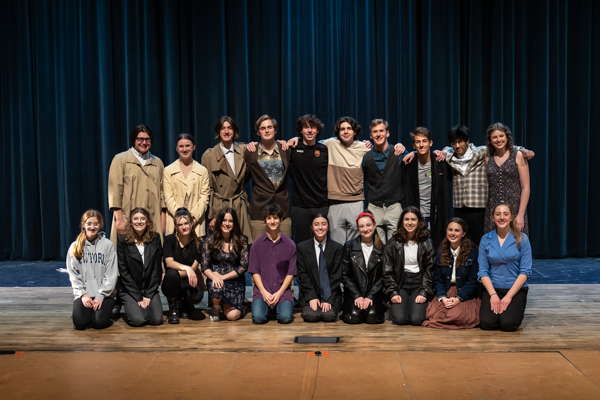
(77, 76)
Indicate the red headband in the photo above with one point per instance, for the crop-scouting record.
(365, 214)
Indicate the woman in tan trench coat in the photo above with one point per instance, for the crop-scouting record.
(227, 171)
(186, 184)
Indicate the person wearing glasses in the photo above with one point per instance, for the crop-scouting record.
(135, 179)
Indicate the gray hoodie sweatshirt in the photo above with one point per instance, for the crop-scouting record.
(96, 273)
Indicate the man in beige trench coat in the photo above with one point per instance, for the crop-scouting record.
(135, 180)
(227, 172)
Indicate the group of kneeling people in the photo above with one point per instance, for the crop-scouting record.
(457, 286)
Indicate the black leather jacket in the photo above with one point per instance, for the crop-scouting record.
(361, 279)
(393, 268)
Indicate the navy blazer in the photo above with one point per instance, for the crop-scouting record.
(307, 276)
(466, 276)
(140, 279)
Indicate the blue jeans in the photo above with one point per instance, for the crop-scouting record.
(260, 312)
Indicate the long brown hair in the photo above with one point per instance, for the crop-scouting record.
(80, 241)
(421, 233)
(513, 226)
(465, 245)
(376, 239)
(182, 213)
(149, 233)
(215, 244)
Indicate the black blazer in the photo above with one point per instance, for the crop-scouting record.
(263, 191)
(360, 281)
(307, 274)
(140, 279)
(439, 188)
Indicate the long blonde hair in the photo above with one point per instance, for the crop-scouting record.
(513, 225)
(80, 241)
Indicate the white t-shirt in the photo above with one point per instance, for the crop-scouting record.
(411, 263)
(367, 249)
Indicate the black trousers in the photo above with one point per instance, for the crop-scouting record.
(372, 315)
(510, 319)
(315, 316)
(301, 220)
(84, 317)
(176, 287)
(409, 312)
(137, 316)
(475, 218)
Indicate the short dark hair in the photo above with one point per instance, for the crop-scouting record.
(135, 132)
(310, 120)
(262, 119)
(219, 126)
(458, 133)
(355, 126)
(185, 136)
(421, 130)
(272, 209)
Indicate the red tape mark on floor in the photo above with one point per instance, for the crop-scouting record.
(18, 353)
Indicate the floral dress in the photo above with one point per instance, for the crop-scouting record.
(233, 290)
(505, 185)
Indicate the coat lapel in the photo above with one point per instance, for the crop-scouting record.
(149, 250)
(135, 254)
(238, 159)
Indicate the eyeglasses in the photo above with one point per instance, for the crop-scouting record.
(143, 139)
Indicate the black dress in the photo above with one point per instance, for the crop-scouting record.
(505, 185)
(233, 290)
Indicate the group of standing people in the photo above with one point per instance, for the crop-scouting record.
(383, 256)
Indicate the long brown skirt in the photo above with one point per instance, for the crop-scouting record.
(464, 316)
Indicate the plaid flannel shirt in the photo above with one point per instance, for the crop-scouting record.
(471, 188)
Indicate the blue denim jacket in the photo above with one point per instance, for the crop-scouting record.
(466, 276)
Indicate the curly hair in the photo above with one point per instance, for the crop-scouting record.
(355, 126)
(309, 120)
(465, 245)
(215, 244)
(80, 241)
(502, 128)
(149, 233)
(421, 233)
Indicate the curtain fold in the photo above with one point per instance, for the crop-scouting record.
(76, 77)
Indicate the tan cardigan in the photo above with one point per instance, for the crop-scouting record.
(196, 187)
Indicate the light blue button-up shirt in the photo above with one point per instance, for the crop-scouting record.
(503, 264)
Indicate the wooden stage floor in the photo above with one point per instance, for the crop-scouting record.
(555, 355)
(558, 317)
